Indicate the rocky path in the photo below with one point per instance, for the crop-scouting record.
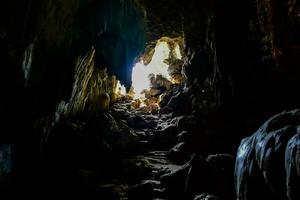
(138, 174)
(150, 187)
(132, 154)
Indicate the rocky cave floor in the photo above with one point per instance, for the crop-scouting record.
(138, 174)
(143, 157)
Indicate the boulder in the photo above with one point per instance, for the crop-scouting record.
(134, 169)
(265, 160)
(180, 153)
(174, 182)
(292, 167)
(143, 190)
(212, 175)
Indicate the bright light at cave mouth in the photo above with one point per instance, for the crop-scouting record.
(120, 89)
(157, 66)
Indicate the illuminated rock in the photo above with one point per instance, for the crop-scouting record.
(266, 160)
(104, 101)
(292, 167)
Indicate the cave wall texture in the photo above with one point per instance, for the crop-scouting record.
(247, 49)
(248, 45)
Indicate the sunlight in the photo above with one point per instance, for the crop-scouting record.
(140, 80)
(157, 66)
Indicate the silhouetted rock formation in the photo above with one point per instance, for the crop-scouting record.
(267, 162)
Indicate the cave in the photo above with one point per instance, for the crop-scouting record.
(143, 99)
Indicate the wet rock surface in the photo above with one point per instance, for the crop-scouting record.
(205, 197)
(292, 167)
(267, 160)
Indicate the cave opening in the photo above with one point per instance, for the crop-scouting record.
(157, 70)
(144, 100)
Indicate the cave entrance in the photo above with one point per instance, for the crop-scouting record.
(157, 70)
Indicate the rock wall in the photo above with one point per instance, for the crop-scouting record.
(245, 62)
(242, 50)
(40, 43)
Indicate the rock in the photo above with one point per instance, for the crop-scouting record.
(167, 131)
(151, 100)
(261, 165)
(111, 191)
(120, 113)
(136, 103)
(143, 190)
(292, 166)
(83, 73)
(175, 182)
(164, 110)
(137, 121)
(151, 106)
(205, 197)
(154, 92)
(154, 108)
(147, 57)
(98, 92)
(7, 156)
(177, 78)
(180, 153)
(134, 169)
(175, 71)
(187, 122)
(249, 182)
(224, 162)
(166, 96)
(212, 175)
(181, 102)
(166, 136)
(113, 98)
(160, 81)
(157, 174)
(104, 101)
(121, 137)
(159, 193)
(183, 136)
